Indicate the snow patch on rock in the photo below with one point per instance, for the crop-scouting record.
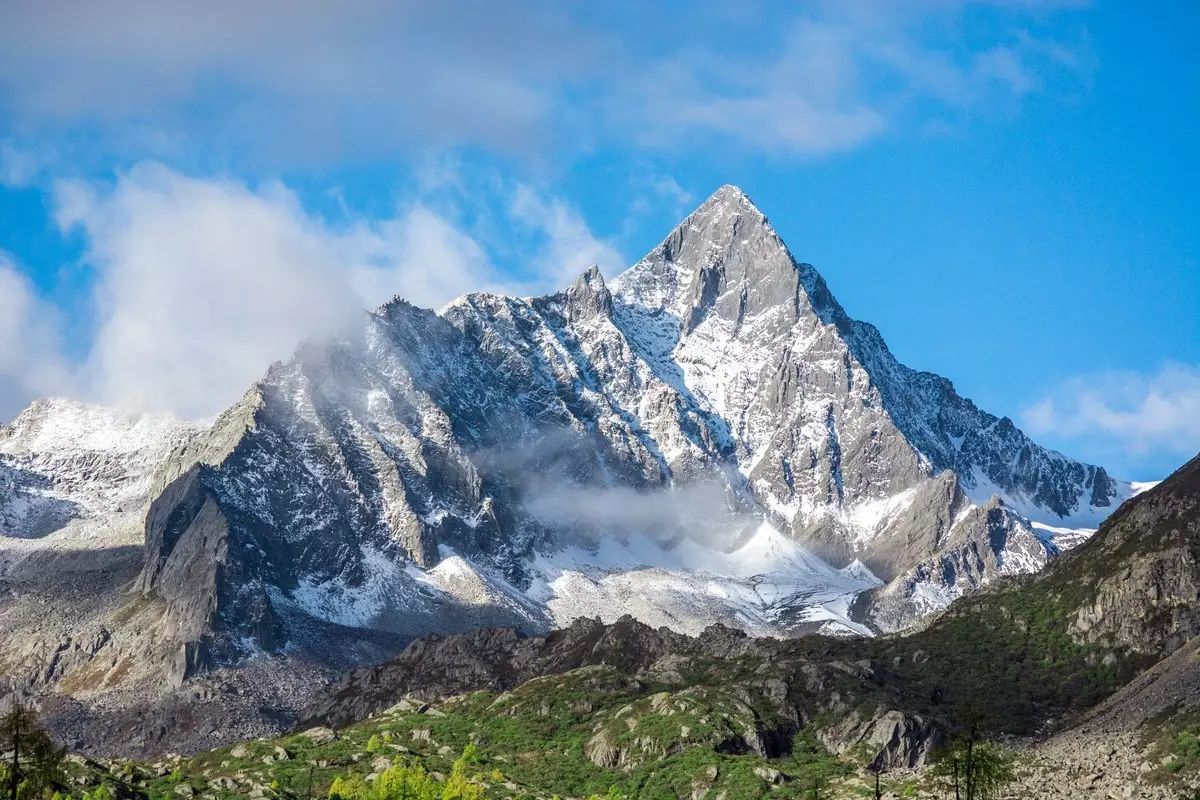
(769, 586)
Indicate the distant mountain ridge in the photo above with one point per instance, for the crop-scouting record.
(63, 461)
(508, 461)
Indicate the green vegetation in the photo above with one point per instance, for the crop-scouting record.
(711, 728)
(404, 781)
(1006, 661)
(539, 741)
(975, 770)
(1179, 749)
(1002, 662)
(31, 768)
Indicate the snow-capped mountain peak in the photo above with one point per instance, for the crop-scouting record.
(725, 259)
(707, 437)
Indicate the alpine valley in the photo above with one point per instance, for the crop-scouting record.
(699, 492)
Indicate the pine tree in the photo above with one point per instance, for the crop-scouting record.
(32, 759)
(976, 769)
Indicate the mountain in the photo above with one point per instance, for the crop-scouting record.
(75, 481)
(709, 439)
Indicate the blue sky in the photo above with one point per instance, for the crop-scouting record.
(1006, 189)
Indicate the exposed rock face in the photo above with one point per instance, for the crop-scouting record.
(985, 542)
(1143, 571)
(763, 342)
(898, 740)
(501, 658)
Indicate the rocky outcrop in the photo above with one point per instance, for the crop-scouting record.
(663, 724)
(984, 543)
(898, 741)
(204, 574)
(728, 692)
(501, 658)
(588, 297)
(1142, 571)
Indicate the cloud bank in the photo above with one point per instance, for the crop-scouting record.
(200, 283)
(31, 360)
(705, 512)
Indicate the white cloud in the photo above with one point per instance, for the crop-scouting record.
(202, 283)
(667, 188)
(294, 78)
(1126, 414)
(419, 256)
(704, 512)
(654, 193)
(843, 73)
(307, 80)
(20, 167)
(31, 360)
(802, 99)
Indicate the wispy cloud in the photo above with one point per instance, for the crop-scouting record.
(1125, 415)
(841, 74)
(706, 511)
(567, 245)
(22, 166)
(313, 77)
(31, 360)
(309, 81)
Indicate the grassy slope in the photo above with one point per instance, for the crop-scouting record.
(1006, 662)
(531, 743)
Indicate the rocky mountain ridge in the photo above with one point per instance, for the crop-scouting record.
(709, 439)
(716, 362)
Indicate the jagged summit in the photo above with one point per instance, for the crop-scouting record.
(728, 200)
(726, 259)
(728, 219)
(590, 275)
(588, 296)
